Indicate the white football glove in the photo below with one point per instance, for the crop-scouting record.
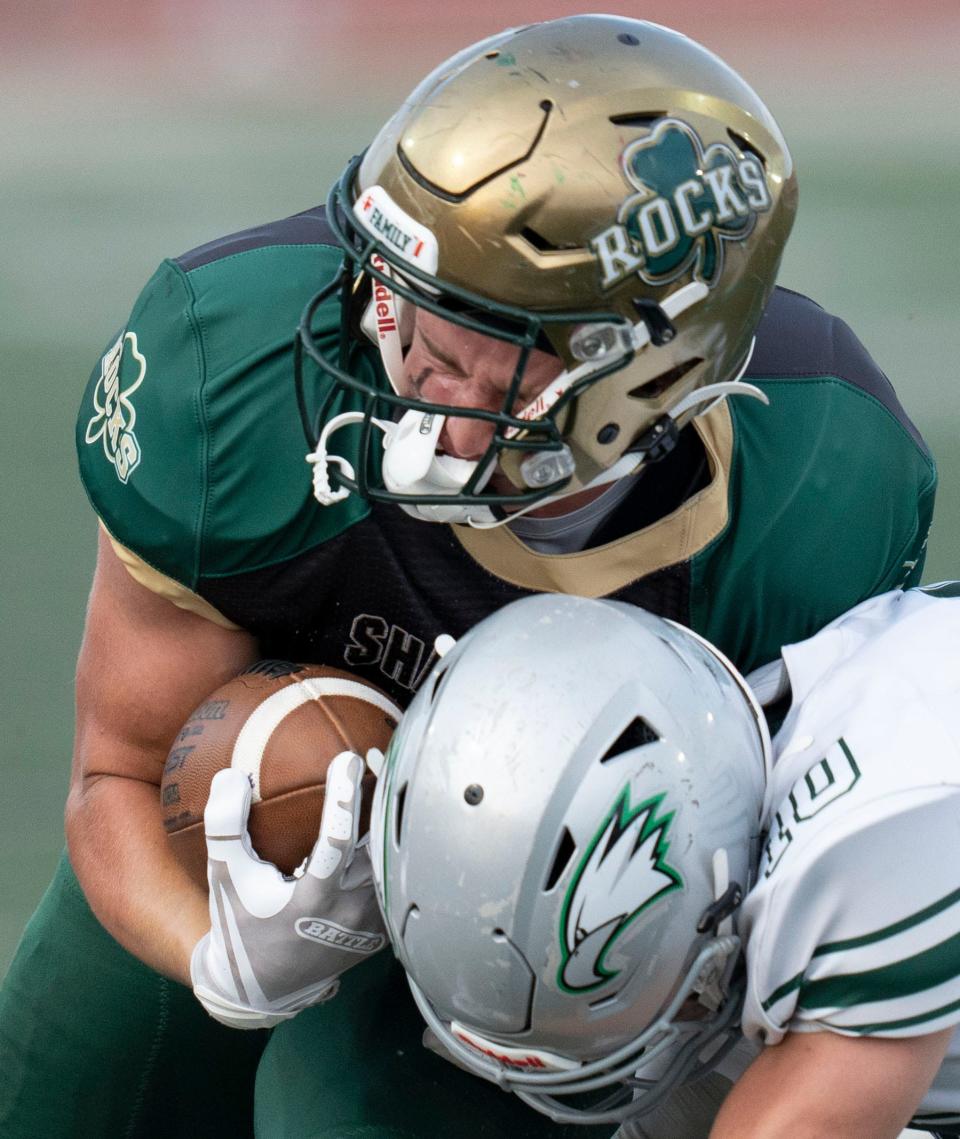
(278, 944)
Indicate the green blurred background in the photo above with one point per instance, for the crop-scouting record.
(132, 132)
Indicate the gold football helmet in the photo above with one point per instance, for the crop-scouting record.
(598, 186)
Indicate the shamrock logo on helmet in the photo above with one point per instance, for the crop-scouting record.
(689, 201)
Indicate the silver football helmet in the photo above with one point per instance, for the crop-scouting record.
(564, 825)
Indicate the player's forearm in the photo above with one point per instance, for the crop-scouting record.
(135, 887)
(819, 1122)
(822, 1085)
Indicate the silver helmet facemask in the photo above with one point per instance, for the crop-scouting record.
(614, 1088)
(562, 833)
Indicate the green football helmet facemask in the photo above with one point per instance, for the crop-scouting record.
(599, 187)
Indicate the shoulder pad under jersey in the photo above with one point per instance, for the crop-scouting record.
(189, 438)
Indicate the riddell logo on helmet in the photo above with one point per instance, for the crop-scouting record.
(523, 1058)
(690, 201)
(513, 1061)
(383, 301)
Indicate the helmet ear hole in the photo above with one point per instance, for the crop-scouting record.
(654, 388)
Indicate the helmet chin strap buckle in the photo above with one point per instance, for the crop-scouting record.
(658, 323)
(657, 441)
(541, 468)
(720, 909)
(712, 986)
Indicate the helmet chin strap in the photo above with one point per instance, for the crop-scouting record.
(624, 466)
(631, 462)
(411, 463)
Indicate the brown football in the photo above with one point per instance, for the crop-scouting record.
(282, 724)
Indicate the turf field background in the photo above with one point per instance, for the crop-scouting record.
(133, 132)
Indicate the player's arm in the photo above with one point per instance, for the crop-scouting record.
(820, 1085)
(144, 666)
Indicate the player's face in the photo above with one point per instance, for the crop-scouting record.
(456, 366)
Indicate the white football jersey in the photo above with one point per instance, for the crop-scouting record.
(853, 925)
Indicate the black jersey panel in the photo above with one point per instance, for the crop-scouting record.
(660, 489)
(374, 599)
(307, 228)
(796, 337)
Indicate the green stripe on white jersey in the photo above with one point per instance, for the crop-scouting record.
(853, 925)
(912, 971)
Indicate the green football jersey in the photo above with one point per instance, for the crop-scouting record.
(763, 524)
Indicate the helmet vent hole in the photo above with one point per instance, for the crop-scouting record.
(638, 733)
(637, 119)
(398, 814)
(677, 653)
(412, 914)
(437, 682)
(544, 244)
(659, 384)
(566, 849)
(747, 147)
(492, 55)
(629, 39)
(604, 1001)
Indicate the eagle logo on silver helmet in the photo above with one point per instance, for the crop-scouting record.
(621, 874)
